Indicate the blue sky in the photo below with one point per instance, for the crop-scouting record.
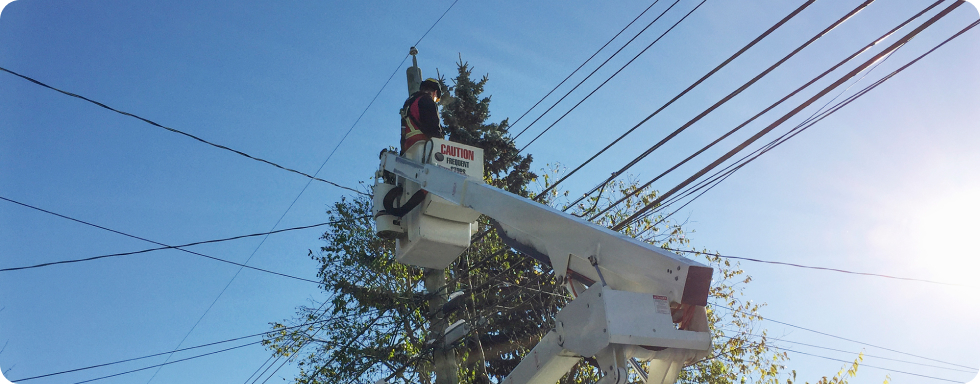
(886, 185)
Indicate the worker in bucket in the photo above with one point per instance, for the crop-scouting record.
(420, 119)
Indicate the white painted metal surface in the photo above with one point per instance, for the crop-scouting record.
(628, 315)
(438, 231)
(626, 263)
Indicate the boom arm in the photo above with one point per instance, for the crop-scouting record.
(630, 312)
(626, 264)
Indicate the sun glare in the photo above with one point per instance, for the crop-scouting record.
(944, 235)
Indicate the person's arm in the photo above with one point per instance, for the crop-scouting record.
(429, 118)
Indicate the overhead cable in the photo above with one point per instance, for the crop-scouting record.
(321, 167)
(773, 340)
(731, 95)
(163, 246)
(179, 246)
(874, 356)
(594, 70)
(167, 363)
(723, 174)
(847, 339)
(580, 67)
(790, 114)
(176, 350)
(764, 111)
(684, 92)
(611, 76)
(872, 366)
(292, 343)
(819, 268)
(153, 123)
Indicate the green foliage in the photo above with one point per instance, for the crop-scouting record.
(466, 118)
(373, 324)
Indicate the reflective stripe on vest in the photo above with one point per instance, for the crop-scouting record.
(408, 124)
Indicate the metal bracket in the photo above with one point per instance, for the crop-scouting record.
(595, 264)
(639, 369)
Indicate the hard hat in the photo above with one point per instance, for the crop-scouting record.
(432, 84)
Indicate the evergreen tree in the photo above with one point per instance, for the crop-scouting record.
(374, 323)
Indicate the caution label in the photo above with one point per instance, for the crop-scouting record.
(662, 305)
(459, 158)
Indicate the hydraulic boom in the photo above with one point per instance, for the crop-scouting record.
(633, 300)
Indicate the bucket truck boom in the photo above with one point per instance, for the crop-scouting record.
(643, 303)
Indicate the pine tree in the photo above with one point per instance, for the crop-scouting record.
(373, 324)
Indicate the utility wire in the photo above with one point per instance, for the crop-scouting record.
(819, 268)
(723, 174)
(434, 24)
(681, 94)
(580, 67)
(331, 155)
(872, 366)
(613, 75)
(289, 345)
(720, 176)
(168, 363)
(811, 121)
(181, 246)
(153, 123)
(697, 118)
(766, 110)
(830, 358)
(176, 350)
(774, 339)
(593, 71)
(872, 356)
(846, 339)
(351, 342)
(163, 246)
(785, 117)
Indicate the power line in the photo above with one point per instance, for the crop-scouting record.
(613, 75)
(582, 65)
(743, 87)
(180, 246)
(723, 174)
(876, 59)
(153, 123)
(681, 94)
(785, 117)
(871, 356)
(291, 344)
(872, 366)
(594, 70)
(846, 339)
(843, 351)
(385, 85)
(434, 24)
(821, 268)
(163, 246)
(168, 363)
(764, 111)
(697, 118)
(844, 361)
(176, 350)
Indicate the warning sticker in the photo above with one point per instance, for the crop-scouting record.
(663, 307)
(459, 158)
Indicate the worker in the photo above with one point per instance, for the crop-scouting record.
(420, 116)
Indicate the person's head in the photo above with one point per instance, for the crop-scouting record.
(432, 87)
